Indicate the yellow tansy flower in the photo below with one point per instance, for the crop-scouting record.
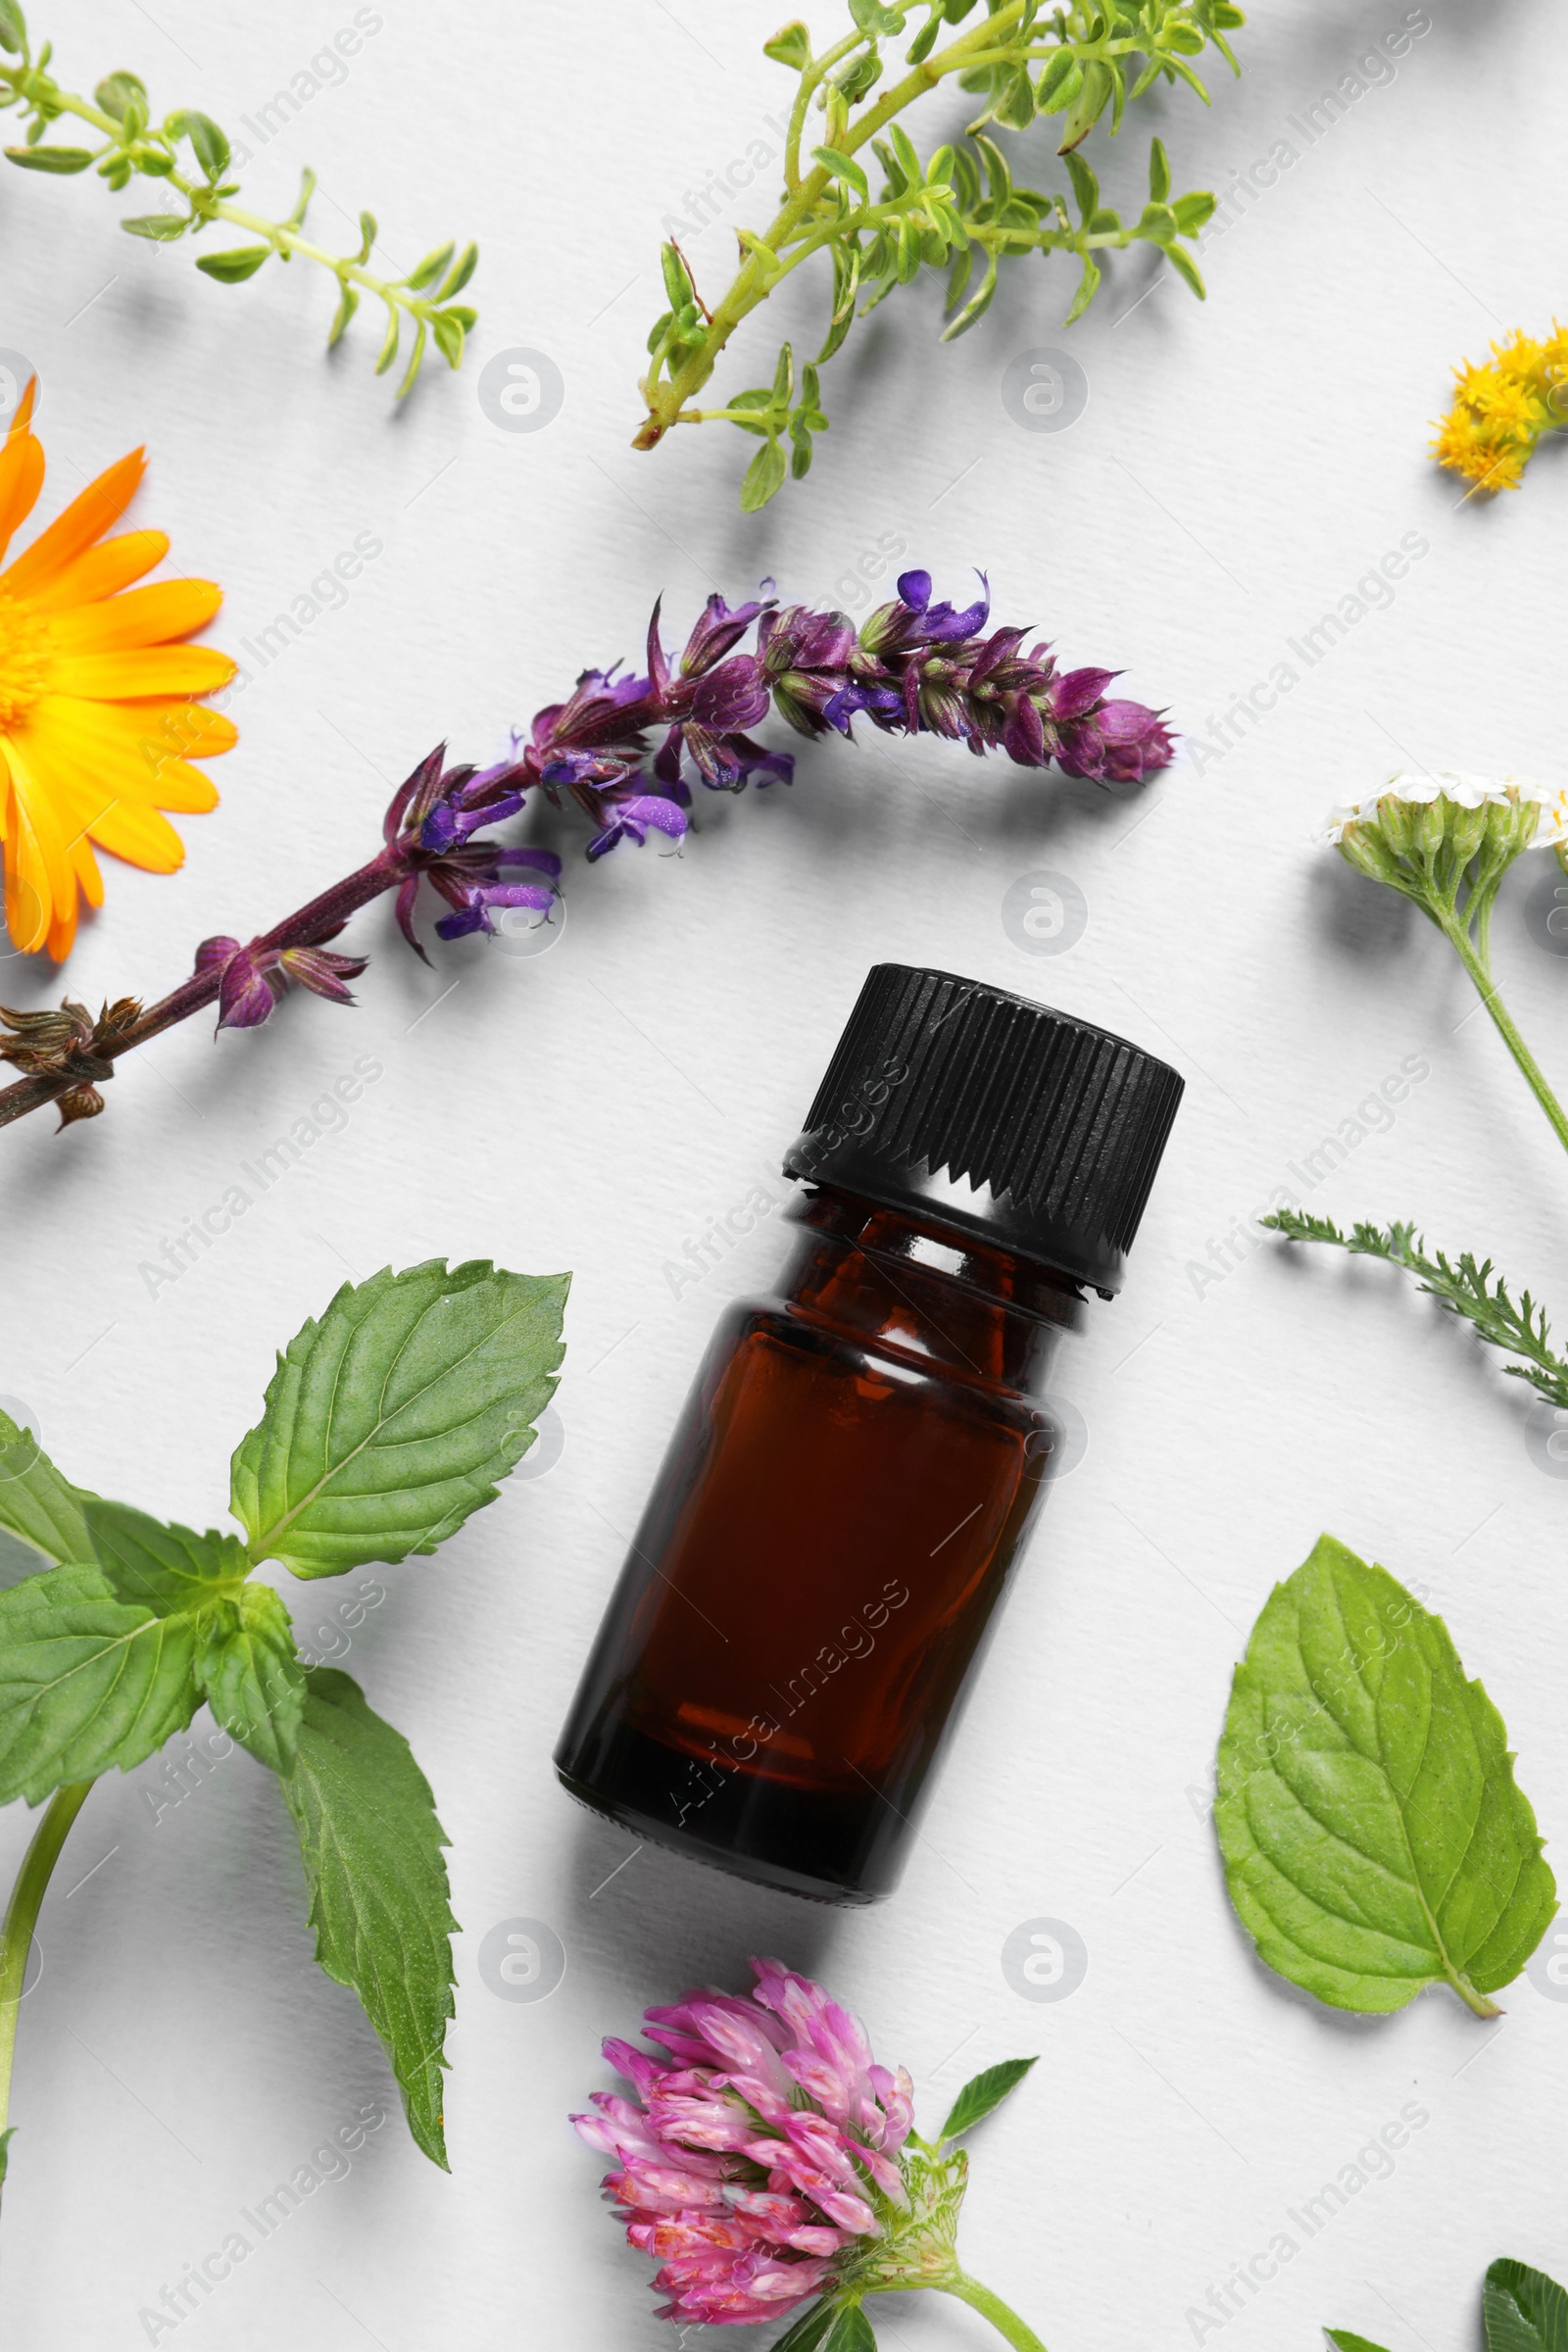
(98, 720)
(1502, 407)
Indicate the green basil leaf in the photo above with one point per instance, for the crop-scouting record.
(162, 228)
(249, 1670)
(389, 1420)
(86, 1680)
(1375, 1841)
(1526, 2311)
(235, 266)
(377, 1885)
(845, 168)
(40, 1507)
(981, 2093)
(765, 475)
(1346, 2342)
(790, 46)
(119, 91)
(51, 159)
(164, 1569)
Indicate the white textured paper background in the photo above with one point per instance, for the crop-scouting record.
(1239, 466)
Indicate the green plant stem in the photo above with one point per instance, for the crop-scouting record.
(761, 271)
(1007, 2322)
(22, 1916)
(283, 239)
(1475, 964)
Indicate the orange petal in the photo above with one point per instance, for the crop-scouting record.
(21, 481)
(87, 874)
(23, 418)
(154, 615)
(34, 861)
(112, 565)
(155, 729)
(152, 669)
(86, 518)
(140, 836)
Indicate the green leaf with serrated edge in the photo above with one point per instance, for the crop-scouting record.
(981, 2093)
(251, 1676)
(63, 160)
(790, 46)
(377, 1885)
(765, 475)
(1375, 1841)
(118, 92)
(1346, 2342)
(1524, 2310)
(232, 267)
(162, 228)
(164, 1569)
(86, 1680)
(389, 1420)
(845, 168)
(38, 1506)
(12, 28)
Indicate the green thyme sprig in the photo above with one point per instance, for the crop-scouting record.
(1468, 1288)
(133, 144)
(958, 212)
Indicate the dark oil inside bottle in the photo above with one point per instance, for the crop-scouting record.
(837, 1515)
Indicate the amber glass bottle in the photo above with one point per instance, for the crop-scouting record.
(856, 1468)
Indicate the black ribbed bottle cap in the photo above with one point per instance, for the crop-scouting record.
(983, 1110)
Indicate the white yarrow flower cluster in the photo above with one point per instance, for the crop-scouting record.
(1465, 792)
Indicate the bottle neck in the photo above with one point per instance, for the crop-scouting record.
(928, 1291)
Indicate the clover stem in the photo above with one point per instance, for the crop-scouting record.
(1475, 964)
(21, 1914)
(1007, 2322)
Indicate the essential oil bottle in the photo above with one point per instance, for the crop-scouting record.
(858, 1466)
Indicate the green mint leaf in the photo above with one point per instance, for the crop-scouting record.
(250, 1674)
(40, 1507)
(51, 159)
(1375, 1841)
(168, 1570)
(981, 2093)
(845, 168)
(808, 2329)
(161, 228)
(377, 1885)
(1346, 2342)
(1526, 2311)
(790, 46)
(86, 1680)
(13, 36)
(232, 267)
(389, 1420)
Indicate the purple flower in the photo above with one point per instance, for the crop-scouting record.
(252, 979)
(628, 819)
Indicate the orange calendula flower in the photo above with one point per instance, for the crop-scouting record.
(1502, 407)
(99, 720)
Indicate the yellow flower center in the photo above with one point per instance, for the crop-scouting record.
(25, 645)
